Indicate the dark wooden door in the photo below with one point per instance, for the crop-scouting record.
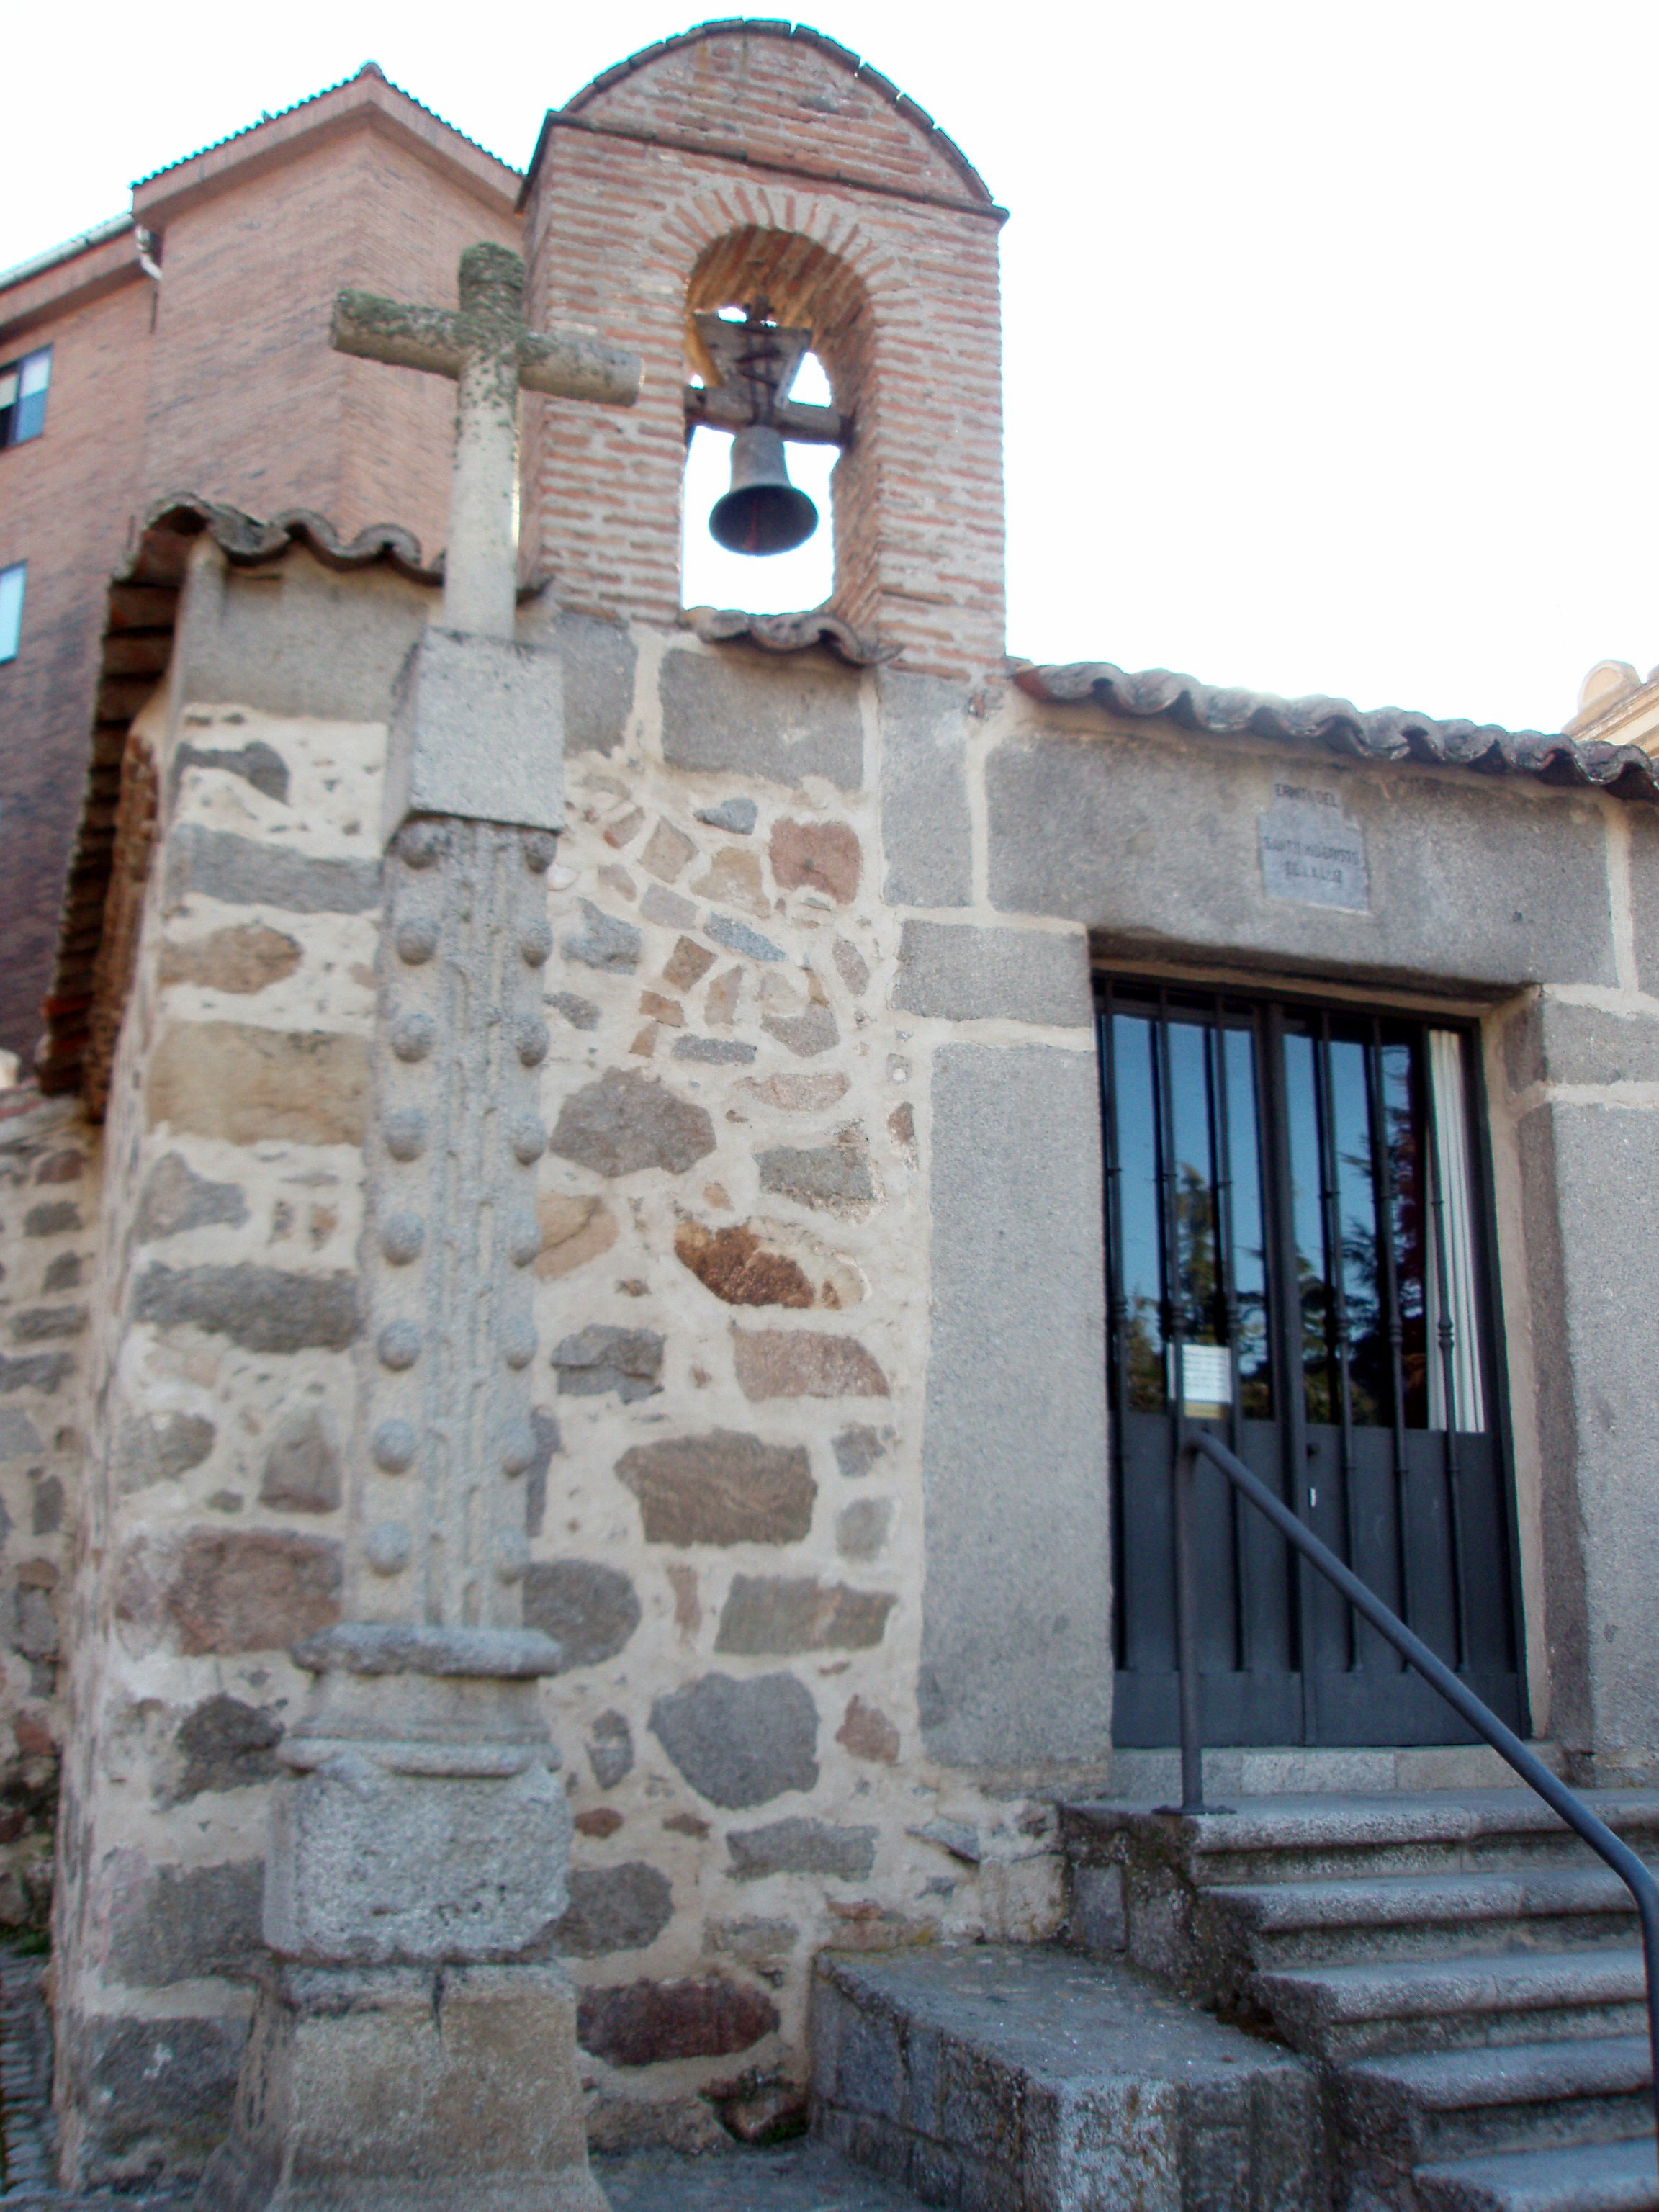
(1299, 1260)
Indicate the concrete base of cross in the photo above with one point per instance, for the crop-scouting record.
(408, 2089)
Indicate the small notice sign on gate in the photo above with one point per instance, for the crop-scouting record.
(1312, 850)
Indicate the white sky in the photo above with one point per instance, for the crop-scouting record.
(1327, 364)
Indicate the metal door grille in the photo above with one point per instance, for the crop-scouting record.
(1299, 1257)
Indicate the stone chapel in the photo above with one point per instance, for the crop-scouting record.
(622, 1212)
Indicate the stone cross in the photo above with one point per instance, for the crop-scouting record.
(491, 354)
(413, 2047)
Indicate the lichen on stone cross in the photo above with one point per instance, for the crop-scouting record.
(486, 346)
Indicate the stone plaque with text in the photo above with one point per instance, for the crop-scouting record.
(1312, 850)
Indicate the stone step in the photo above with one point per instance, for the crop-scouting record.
(1424, 1916)
(1356, 2011)
(1153, 1778)
(1013, 2078)
(1621, 2177)
(1333, 1837)
(1394, 2113)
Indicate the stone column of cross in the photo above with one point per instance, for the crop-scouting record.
(486, 346)
(418, 1852)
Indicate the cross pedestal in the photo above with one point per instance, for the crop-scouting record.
(413, 2047)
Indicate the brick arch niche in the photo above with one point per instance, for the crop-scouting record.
(808, 287)
(748, 160)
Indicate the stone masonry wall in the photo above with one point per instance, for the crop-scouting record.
(49, 1161)
(727, 1518)
(223, 1399)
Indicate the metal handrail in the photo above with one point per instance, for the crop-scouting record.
(1486, 1724)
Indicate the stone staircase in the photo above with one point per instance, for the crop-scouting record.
(1429, 2002)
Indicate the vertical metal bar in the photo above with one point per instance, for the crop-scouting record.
(1227, 1292)
(1192, 1739)
(1336, 1305)
(1385, 1204)
(1447, 1334)
(1284, 1310)
(1117, 1305)
(1174, 1318)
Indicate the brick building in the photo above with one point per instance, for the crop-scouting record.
(186, 344)
(956, 1080)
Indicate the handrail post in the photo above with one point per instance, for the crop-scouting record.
(1192, 1739)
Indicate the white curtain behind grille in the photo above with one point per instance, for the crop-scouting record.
(1454, 1184)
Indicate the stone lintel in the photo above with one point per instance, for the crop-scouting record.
(477, 731)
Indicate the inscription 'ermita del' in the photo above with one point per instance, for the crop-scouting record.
(1312, 852)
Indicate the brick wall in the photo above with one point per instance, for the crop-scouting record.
(624, 231)
(66, 500)
(218, 380)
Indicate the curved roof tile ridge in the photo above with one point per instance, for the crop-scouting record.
(1388, 733)
(775, 27)
(368, 69)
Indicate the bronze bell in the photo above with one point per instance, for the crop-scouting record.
(763, 512)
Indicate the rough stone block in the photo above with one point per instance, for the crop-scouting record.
(599, 660)
(265, 1308)
(145, 2096)
(620, 1908)
(477, 730)
(217, 864)
(160, 1448)
(255, 763)
(590, 1610)
(624, 1122)
(1553, 1041)
(175, 1198)
(603, 942)
(224, 1744)
(801, 1846)
(600, 1359)
(926, 835)
(301, 1472)
(242, 1085)
(733, 710)
(822, 856)
(866, 1732)
(241, 961)
(376, 1868)
(182, 1924)
(740, 1743)
(862, 1528)
(251, 1589)
(802, 1362)
(957, 972)
(721, 1488)
(395, 2090)
(772, 1615)
(1016, 1664)
(643, 2023)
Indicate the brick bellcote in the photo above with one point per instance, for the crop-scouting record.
(746, 160)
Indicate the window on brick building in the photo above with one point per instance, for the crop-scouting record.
(23, 386)
(11, 609)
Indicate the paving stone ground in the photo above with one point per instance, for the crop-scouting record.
(798, 2176)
